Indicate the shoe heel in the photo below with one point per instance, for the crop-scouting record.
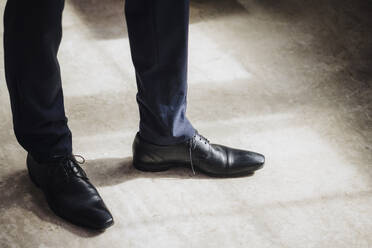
(151, 167)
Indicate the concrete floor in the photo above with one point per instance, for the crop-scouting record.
(291, 79)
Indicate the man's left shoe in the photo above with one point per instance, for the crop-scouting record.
(210, 159)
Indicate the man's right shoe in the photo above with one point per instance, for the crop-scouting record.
(69, 192)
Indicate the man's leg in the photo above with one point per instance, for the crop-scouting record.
(158, 35)
(32, 34)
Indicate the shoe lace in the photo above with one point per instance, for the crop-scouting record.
(204, 139)
(71, 165)
(192, 146)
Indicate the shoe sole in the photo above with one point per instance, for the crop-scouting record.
(52, 207)
(164, 167)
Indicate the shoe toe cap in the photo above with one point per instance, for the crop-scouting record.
(96, 218)
(87, 210)
(258, 159)
(246, 160)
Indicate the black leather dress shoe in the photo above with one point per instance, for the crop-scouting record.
(211, 159)
(69, 192)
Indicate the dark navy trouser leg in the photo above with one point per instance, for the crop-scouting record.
(158, 35)
(32, 34)
(158, 31)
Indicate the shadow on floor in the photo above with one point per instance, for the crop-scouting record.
(341, 29)
(342, 42)
(19, 191)
(106, 19)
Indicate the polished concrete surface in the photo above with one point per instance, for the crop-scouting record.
(291, 79)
